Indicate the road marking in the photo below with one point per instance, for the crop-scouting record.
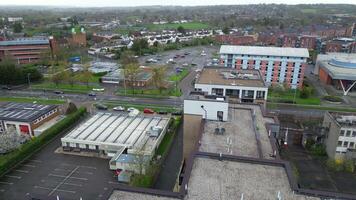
(116, 183)
(18, 177)
(73, 184)
(77, 172)
(27, 165)
(64, 180)
(22, 171)
(6, 183)
(35, 160)
(59, 190)
(89, 167)
(72, 177)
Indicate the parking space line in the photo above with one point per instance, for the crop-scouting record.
(116, 183)
(89, 167)
(10, 176)
(22, 171)
(60, 190)
(6, 183)
(72, 177)
(61, 183)
(77, 172)
(27, 165)
(36, 161)
(73, 184)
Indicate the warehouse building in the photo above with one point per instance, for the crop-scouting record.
(338, 70)
(277, 65)
(239, 85)
(126, 138)
(24, 118)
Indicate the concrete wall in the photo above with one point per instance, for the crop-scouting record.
(332, 136)
(191, 130)
(193, 107)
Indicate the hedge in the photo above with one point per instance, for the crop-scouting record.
(10, 160)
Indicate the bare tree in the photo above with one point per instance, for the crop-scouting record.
(10, 140)
(158, 77)
(131, 72)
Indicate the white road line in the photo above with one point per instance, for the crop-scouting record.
(73, 184)
(77, 172)
(61, 183)
(9, 176)
(35, 160)
(116, 183)
(22, 171)
(27, 165)
(6, 183)
(89, 167)
(59, 190)
(72, 177)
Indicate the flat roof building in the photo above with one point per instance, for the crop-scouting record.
(24, 118)
(278, 65)
(239, 85)
(338, 70)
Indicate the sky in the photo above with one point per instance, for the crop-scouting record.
(125, 3)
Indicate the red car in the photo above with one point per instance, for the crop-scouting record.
(148, 111)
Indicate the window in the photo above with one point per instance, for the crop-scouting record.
(351, 145)
(346, 144)
(353, 133)
(339, 143)
(348, 133)
(342, 132)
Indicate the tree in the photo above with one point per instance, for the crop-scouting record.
(181, 29)
(59, 77)
(226, 30)
(17, 27)
(158, 78)
(10, 140)
(139, 45)
(86, 75)
(128, 57)
(130, 72)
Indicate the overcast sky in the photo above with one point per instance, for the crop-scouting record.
(124, 3)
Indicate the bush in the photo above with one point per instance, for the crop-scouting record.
(318, 150)
(9, 160)
(332, 98)
(335, 165)
(309, 143)
(349, 166)
(306, 92)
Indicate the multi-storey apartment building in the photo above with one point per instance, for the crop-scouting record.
(340, 140)
(277, 65)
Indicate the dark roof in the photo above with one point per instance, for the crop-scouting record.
(23, 112)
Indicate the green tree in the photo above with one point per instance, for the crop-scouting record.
(226, 30)
(181, 29)
(158, 77)
(139, 45)
(17, 27)
(128, 57)
(86, 75)
(130, 72)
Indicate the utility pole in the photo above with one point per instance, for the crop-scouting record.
(28, 79)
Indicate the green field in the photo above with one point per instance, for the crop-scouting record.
(64, 87)
(189, 25)
(151, 93)
(309, 10)
(180, 76)
(288, 97)
(31, 100)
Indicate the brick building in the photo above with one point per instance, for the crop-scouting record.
(78, 38)
(277, 65)
(27, 50)
(236, 40)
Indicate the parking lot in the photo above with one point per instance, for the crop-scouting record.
(47, 174)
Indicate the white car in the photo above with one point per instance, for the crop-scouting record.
(131, 109)
(119, 108)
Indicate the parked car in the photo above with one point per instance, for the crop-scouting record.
(100, 106)
(131, 109)
(203, 53)
(186, 53)
(162, 112)
(119, 108)
(177, 113)
(148, 111)
(6, 87)
(194, 64)
(185, 65)
(92, 94)
(58, 92)
(182, 56)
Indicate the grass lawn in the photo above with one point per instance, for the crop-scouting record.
(288, 97)
(140, 107)
(271, 105)
(94, 78)
(168, 138)
(189, 25)
(180, 76)
(31, 100)
(309, 10)
(152, 93)
(64, 87)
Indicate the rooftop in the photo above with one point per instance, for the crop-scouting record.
(265, 51)
(339, 65)
(231, 77)
(344, 119)
(25, 41)
(23, 112)
(115, 131)
(202, 96)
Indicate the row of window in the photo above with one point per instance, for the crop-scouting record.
(45, 116)
(346, 144)
(348, 133)
(276, 57)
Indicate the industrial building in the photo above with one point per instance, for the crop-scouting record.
(24, 118)
(143, 78)
(238, 85)
(277, 65)
(127, 139)
(338, 70)
(26, 50)
(340, 140)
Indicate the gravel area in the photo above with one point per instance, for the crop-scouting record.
(238, 139)
(122, 195)
(224, 180)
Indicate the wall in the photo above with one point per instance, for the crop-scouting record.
(332, 136)
(193, 107)
(324, 76)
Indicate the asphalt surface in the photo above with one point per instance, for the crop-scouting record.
(47, 174)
